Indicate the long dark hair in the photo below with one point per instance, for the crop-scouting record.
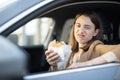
(94, 17)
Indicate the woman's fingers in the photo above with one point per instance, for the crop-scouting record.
(48, 52)
(54, 62)
(52, 57)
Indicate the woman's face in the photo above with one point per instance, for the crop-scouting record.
(84, 29)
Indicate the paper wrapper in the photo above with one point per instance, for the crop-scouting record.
(64, 52)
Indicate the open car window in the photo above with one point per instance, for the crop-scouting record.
(35, 32)
(35, 29)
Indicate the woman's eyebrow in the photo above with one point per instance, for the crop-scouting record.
(77, 23)
(87, 25)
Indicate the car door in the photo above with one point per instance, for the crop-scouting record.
(59, 17)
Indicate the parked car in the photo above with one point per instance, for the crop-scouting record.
(32, 24)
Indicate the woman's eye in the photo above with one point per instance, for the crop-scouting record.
(87, 27)
(78, 25)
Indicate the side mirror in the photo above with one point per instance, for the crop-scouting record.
(13, 60)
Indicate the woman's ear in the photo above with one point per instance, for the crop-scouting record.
(96, 32)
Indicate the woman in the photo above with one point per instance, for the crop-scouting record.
(87, 49)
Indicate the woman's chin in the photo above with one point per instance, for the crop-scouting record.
(82, 42)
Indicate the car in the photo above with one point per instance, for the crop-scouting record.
(31, 24)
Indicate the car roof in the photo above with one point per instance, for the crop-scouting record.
(12, 8)
(14, 13)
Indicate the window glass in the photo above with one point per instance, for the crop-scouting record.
(34, 32)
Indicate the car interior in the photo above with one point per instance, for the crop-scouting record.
(63, 15)
(108, 12)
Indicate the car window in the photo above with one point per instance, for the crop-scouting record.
(35, 32)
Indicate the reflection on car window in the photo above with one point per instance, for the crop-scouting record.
(5, 3)
(34, 32)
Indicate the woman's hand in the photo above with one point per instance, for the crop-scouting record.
(52, 57)
(78, 64)
(73, 65)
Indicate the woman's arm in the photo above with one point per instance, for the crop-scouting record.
(109, 53)
(98, 60)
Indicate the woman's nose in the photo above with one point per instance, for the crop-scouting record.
(81, 30)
